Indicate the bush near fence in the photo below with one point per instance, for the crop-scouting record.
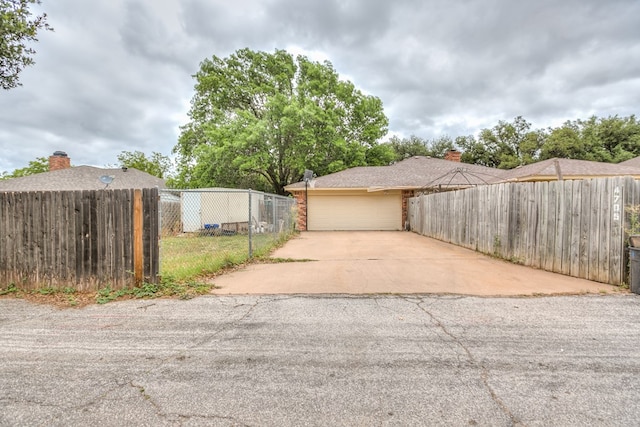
(575, 228)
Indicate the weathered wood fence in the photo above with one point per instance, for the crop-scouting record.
(575, 228)
(79, 239)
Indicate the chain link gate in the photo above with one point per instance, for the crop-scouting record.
(219, 222)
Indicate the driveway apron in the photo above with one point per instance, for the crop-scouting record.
(390, 262)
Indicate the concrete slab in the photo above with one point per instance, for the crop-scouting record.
(372, 262)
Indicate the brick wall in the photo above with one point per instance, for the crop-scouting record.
(453, 155)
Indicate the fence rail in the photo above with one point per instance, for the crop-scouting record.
(575, 228)
(81, 239)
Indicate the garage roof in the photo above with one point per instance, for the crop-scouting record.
(421, 172)
(411, 173)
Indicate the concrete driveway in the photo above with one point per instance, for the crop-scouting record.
(372, 262)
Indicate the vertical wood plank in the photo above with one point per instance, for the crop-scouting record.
(585, 227)
(616, 275)
(574, 239)
(566, 220)
(154, 201)
(604, 245)
(119, 230)
(594, 230)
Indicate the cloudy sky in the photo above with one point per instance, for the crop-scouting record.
(116, 74)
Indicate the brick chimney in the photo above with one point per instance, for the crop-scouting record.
(453, 155)
(59, 160)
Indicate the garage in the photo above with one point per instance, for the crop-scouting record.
(354, 211)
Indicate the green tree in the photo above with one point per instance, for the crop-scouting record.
(438, 147)
(260, 119)
(474, 152)
(380, 155)
(416, 146)
(612, 139)
(620, 137)
(39, 165)
(156, 165)
(17, 28)
(567, 142)
(408, 147)
(504, 146)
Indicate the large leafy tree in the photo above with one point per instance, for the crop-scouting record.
(39, 165)
(260, 119)
(505, 146)
(408, 147)
(618, 138)
(416, 146)
(156, 164)
(17, 28)
(611, 139)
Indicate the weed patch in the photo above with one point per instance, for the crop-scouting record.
(167, 287)
(10, 289)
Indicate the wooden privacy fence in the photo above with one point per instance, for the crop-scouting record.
(575, 228)
(79, 239)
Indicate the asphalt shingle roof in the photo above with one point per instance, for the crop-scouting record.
(426, 172)
(635, 162)
(82, 178)
(568, 168)
(414, 172)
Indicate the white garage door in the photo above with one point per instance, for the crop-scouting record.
(355, 212)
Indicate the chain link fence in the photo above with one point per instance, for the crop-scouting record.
(210, 228)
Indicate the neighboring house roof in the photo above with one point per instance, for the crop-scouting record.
(420, 172)
(635, 162)
(411, 173)
(82, 178)
(569, 169)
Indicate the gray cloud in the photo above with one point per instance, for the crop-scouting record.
(116, 75)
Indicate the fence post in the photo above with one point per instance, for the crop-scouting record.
(273, 220)
(250, 230)
(137, 237)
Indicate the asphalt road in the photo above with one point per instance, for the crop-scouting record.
(323, 360)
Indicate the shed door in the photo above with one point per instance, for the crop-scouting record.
(375, 211)
(191, 215)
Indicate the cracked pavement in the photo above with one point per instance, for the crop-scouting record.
(323, 360)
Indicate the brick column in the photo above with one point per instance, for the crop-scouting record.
(302, 210)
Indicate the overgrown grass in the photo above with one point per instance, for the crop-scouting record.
(192, 257)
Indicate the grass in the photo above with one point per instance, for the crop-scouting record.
(193, 257)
